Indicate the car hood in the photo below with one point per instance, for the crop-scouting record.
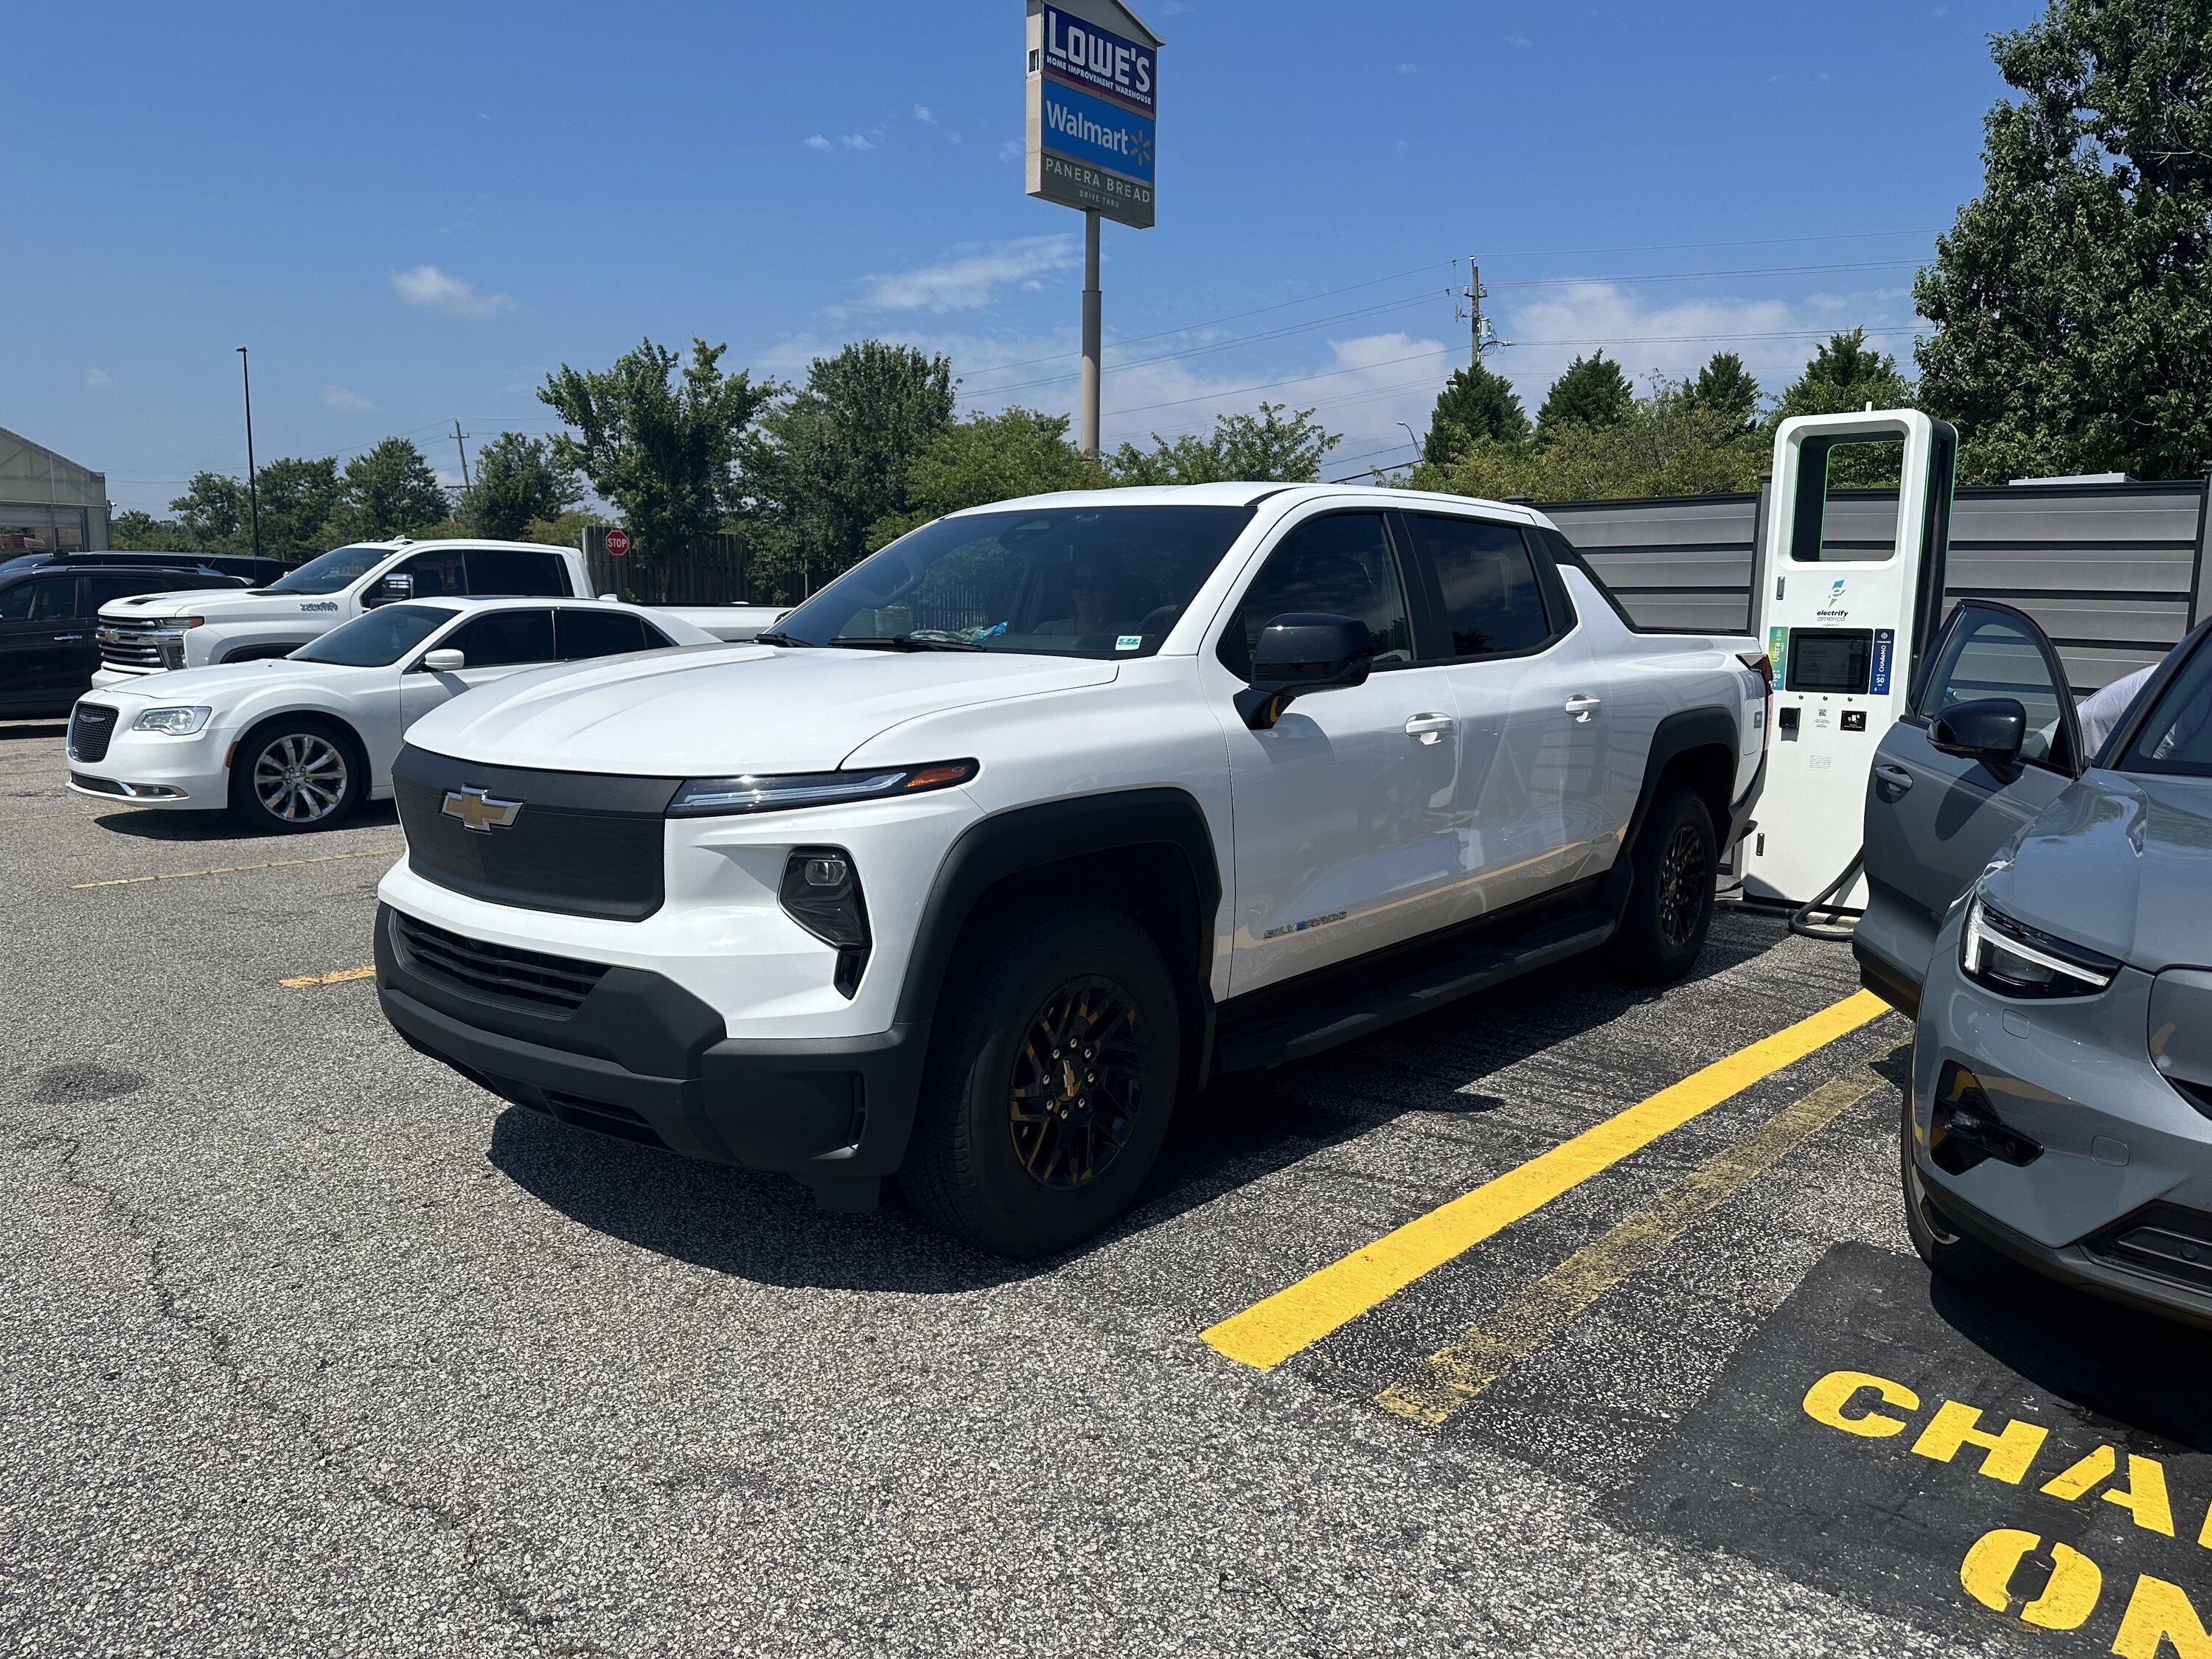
(719, 710)
(221, 686)
(2122, 864)
(220, 605)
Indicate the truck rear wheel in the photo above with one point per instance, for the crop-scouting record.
(1670, 899)
(1051, 1080)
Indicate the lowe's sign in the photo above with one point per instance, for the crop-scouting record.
(1093, 103)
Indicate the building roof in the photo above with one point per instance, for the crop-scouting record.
(32, 472)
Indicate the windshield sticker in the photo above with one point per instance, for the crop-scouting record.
(1129, 642)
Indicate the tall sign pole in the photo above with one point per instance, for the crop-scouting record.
(252, 479)
(1093, 88)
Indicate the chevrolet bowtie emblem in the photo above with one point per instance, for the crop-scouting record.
(479, 811)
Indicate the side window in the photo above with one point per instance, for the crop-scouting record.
(1492, 600)
(506, 573)
(437, 575)
(1342, 565)
(586, 634)
(42, 598)
(1989, 654)
(504, 639)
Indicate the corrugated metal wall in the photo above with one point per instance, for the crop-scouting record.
(2114, 573)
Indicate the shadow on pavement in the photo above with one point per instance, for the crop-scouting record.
(221, 826)
(10, 730)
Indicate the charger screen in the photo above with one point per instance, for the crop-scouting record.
(1836, 660)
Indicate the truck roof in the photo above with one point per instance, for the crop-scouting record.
(394, 544)
(1251, 494)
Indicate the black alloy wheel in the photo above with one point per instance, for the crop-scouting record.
(1078, 1083)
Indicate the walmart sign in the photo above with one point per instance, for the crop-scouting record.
(1093, 102)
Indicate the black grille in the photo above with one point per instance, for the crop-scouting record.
(2164, 1241)
(92, 727)
(530, 976)
(578, 843)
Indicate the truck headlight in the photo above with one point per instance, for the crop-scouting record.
(172, 722)
(2000, 954)
(782, 791)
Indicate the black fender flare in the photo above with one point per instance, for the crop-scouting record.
(1678, 733)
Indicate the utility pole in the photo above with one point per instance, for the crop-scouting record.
(1473, 296)
(252, 479)
(458, 436)
(1088, 427)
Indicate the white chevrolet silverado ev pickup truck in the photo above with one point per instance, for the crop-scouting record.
(1014, 834)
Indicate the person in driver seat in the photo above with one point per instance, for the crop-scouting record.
(1104, 596)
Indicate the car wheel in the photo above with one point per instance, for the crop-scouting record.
(293, 775)
(1049, 1084)
(1936, 1240)
(1670, 897)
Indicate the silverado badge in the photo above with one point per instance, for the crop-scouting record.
(478, 810)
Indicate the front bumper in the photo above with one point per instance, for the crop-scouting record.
(185, 774)
(641, 1058)
(2116, 1148)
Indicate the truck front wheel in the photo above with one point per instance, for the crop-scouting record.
(1051, 1080)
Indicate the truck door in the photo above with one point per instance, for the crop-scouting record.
(1933, 820)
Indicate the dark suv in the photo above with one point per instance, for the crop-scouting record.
(47, 611)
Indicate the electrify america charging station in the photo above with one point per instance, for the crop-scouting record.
(1847, 602)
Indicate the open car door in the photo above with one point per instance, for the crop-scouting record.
(1937, 813)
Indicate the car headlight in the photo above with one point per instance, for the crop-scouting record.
(172, 722)
(781, 791)
(2008, 957)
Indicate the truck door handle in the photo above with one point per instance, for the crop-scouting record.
(1583, 708)
(1893, 776)
(1429, 728)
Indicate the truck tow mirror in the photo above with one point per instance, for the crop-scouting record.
(1987, 729)
(393, 590)
(1301, 652)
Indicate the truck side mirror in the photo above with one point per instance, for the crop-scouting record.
(1986, 729)
(1301, 652)
(391, 590)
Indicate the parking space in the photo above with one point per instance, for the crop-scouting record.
(1571, 1319)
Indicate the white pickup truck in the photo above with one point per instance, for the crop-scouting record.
(1013, 836)
(155, 632)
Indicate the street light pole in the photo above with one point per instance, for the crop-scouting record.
(252, 480)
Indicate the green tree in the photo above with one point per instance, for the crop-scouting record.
(1846, 376)
(660, 449)
(517, 481)
(2072, 299)
(136, 532)
(298, 498)
(1725, 386)
(212, 514)
(1277, 445)
(388, 490)
(1475, 402)
(563, 530)
(1669, 443)
(1590, 391)
(831, 459)
(990, 458)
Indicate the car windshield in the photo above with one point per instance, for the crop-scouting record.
(2176, 737)
(329, 572)
(379, 638)
(1080, 581)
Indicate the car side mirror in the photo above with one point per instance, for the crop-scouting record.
(1299, 654)
(393, 590)
(1986, 729)
(445, 660)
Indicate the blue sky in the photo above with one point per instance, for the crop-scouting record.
(411, 213)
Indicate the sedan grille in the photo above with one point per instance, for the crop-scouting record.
(92, 727)
(542, 980)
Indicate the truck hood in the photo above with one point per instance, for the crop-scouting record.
(2122, 864)
(715, 711)
(221, 604)
(221, 687)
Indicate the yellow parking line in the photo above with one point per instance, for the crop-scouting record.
(234, 869)
(1453, 1376)
(1271, 1330)
(338, 978)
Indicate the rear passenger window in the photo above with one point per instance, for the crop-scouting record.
(436, 576)
(505, 572)
(1340, 566)
(586, 633)
(1492, 600)
(504, 638)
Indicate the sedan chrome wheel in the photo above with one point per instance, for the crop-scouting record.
(302, 778)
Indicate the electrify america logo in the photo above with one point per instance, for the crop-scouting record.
(1834, 611)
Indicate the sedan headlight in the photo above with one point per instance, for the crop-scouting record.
(2015, 960)
(172, 722)
(781, 791)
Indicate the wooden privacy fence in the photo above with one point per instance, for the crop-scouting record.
(713, 570)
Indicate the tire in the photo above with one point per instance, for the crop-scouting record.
(1670, 897)
(996, 1159)
(296, 772)
(1949, 1252)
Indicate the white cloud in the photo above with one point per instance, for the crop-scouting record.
(857, 140)
(968, 280)
(1409, 69)
(952, 138)
(1011, 150)
(817, 141)
(1518, 40)
(921, 113)
(338, 398)
(98, 380)
(433, 290)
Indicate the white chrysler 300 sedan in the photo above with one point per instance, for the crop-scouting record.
(298, 742)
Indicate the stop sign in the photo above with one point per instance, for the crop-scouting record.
(617, 542)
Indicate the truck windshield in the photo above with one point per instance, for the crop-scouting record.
(2177, 736)
(1078, 582)
(378, 639)
(328, 572)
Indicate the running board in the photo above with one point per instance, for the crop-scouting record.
(1351, 1005)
